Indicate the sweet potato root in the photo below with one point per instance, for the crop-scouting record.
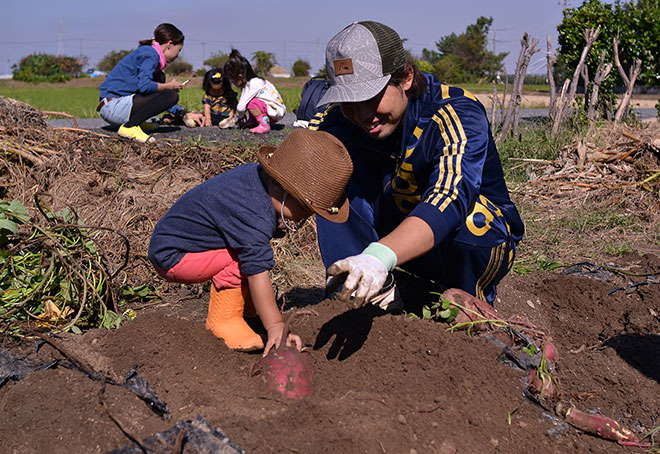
(599, 425)
(551, 352)
(473, 312)
(542, 389)
(285, 370)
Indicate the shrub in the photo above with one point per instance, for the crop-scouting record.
(263, 61)
(301, 68)
(111, 59)
(178, 67)
(46, 68)
(216, 60)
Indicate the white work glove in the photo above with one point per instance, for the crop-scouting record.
(365, 274)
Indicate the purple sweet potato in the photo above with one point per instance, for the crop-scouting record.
(286, 370)
(551, 352)
(600, 425)
(543, 389)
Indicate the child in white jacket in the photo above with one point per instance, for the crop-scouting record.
(259, 97)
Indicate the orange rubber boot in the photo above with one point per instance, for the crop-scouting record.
(225, 320)
(249, 310)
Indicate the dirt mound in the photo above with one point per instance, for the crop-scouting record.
(382, 383)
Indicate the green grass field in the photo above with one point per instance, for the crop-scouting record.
(80, 97)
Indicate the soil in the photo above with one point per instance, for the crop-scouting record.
(382, 383)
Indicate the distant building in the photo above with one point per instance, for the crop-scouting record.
(278, 71)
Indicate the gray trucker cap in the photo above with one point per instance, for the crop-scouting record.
(360, 60)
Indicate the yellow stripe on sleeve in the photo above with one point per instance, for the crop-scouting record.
(467, 94)
(453, 172)
(445, 91)
(441, 165)
(318, 117)
(459, 155)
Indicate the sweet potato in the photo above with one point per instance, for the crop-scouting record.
(551, 352)
(542, 389)
(600, 425)
(288, 372)
(471, 309)
(285, 370)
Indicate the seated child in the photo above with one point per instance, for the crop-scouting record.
(220, 100)
(221, 230)
(259, 97)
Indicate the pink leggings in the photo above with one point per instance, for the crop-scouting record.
(256, 103)
(220, 265)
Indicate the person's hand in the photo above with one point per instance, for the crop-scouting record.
(174, 85)
(193, 119)
(365, 274)
(275, 338)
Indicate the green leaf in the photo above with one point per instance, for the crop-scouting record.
(426, 313)
(530, 349)
(6, 224)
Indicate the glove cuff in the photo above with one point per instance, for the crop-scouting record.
(382, 253)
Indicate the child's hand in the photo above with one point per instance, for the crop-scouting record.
(193, 119)
(294, 339)
(275, 338)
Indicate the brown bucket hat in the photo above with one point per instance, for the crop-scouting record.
(313, 167)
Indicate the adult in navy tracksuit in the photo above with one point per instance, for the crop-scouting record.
(136, 90)
(427, 193)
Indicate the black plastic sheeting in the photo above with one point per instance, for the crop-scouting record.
(14, 369)
(136, 383)
(198, 437)
(588, 269)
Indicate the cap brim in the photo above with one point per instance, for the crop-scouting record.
(353, 92)
(340, 216)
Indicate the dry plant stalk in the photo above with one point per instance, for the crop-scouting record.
(628, 79)
(527, 50)
(566, 99)
(602, 73)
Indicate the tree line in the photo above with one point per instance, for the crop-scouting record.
(464, 57)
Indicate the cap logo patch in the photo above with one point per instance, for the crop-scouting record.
(343, 67)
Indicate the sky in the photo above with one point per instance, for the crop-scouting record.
(288, 29)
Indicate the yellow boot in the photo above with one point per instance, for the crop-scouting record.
(225, 319)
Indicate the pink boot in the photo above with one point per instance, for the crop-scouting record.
(263, 125)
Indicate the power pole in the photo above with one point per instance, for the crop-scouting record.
(284, 54)
(59, 38)
(320, 55)
(497, 76)
(203, 53)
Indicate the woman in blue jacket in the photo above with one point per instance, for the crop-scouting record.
(136, 90)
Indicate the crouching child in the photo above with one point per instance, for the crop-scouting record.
(221, 231)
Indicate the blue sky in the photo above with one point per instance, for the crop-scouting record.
(288, 29)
